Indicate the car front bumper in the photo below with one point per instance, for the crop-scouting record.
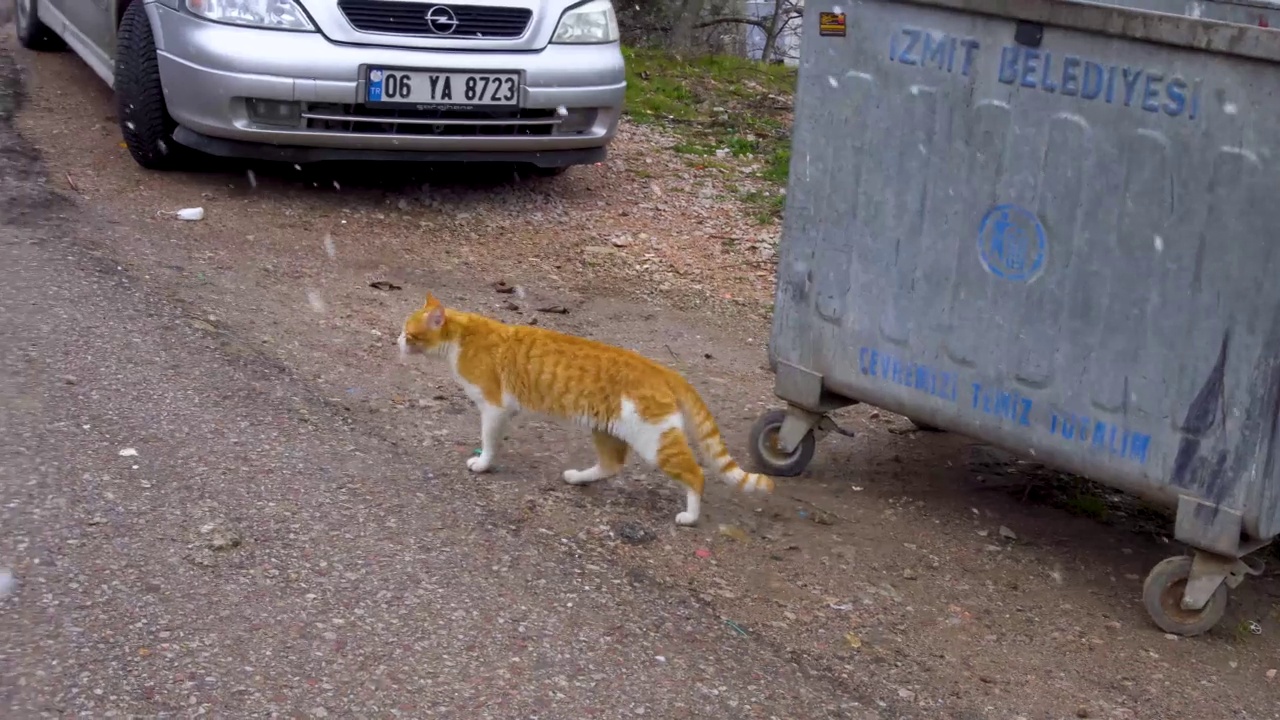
(218, 77)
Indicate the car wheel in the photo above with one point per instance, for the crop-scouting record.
(32, 33)
(144, 120)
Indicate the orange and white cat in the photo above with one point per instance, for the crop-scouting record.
(629, 402)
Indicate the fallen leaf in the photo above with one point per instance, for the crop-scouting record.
(384, 285)
(733, 531)
(558, 309)
(853, 640)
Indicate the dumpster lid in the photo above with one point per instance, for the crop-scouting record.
(1118, 19)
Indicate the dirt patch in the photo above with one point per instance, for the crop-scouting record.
(914, 568)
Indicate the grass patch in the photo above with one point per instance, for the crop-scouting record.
(1087, 505)
(719, 106)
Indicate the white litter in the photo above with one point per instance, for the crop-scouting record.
(128, 452)
(328, 245)
(6, 583)
(316, 302)
(195, 213)
(253, 179)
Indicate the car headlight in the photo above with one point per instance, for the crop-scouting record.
(270, 14)
(590, 23)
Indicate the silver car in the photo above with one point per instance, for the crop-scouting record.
(537, 82)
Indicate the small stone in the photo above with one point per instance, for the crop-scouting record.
(909, 574)
(906, 694)
(202, 325)
(1007, 534)
(1082, 712)
(635, 533)
(70, 379)
(1170, 636)
(1271, 674)
(219, 538)
(319, 712)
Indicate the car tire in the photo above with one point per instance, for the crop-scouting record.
(32, 33)
(144, 120)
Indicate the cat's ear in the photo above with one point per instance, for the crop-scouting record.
(435, 318)
(430, 301)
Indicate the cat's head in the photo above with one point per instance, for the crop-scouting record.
(424, 329)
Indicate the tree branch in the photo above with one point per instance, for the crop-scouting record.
(733, 21)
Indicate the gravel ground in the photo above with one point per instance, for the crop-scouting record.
(193, 534)
(906, 575)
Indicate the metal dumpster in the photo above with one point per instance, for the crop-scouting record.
(1053, 226)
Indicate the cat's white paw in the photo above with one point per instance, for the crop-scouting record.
(478, 464)
(580, 477)
(687, 519)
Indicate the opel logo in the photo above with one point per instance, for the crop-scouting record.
(441, 20)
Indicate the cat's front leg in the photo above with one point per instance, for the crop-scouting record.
(493, 422)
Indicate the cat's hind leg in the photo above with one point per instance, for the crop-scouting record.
(676, 459)
(493, 422)
(612, 455)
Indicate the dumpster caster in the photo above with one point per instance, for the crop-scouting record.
(1188, 596)
(766, 448)
(1163, 592)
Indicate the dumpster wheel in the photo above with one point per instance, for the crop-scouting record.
(1162, 595)
(768, 457)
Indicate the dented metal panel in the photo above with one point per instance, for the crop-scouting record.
(1051, 225)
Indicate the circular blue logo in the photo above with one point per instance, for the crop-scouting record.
(1012, 243)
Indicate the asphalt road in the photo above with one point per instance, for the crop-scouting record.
(193, 532)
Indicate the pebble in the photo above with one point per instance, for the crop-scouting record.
(635, 533)
(1271, 674)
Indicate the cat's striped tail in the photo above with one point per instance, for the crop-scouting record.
(701, 425)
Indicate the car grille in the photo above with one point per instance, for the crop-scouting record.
(410, 18)
(360, 119)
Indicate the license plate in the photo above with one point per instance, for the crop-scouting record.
(444, 89)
